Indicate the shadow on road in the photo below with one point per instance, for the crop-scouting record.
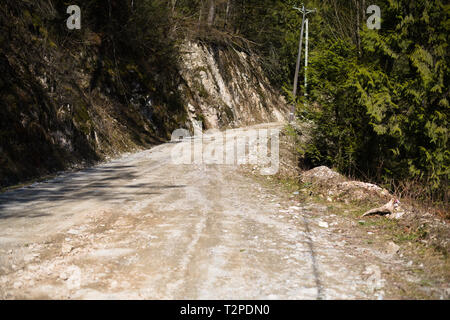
(113, 182)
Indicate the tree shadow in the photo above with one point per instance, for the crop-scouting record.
(110, 183)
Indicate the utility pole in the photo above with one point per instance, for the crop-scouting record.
(306, 57)
(305, 12)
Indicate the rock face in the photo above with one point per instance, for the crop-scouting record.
(227, 88)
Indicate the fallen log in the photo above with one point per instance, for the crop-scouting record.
(388, 208)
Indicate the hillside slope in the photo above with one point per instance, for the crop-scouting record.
(74, 97)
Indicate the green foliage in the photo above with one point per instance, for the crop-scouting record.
(384, 113)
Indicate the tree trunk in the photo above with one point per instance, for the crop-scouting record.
(227, 13)
(174, 4)
(358, 24)
(212, 12)
(363, 10)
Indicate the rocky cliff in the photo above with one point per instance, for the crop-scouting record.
(224, 87)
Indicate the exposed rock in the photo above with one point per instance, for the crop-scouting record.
(323, 224)
(322, 174)
(228, 88)
(392, 248)
(340, 188)
(356, 190)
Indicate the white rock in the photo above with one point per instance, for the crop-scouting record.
(323, 224)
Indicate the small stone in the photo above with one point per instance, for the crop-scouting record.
(66, 248)
(17, 284)
(329, 199)
(30, 257)
(33, 268)
(64, 276)
(392, 248)
(323, 224)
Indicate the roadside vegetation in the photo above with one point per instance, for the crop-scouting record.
(379, 99)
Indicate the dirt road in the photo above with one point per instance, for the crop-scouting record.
(142, 228)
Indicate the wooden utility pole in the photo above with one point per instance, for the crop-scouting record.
(306, 56)
(305, 12)
(358, 23)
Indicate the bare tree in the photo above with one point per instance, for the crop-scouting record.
(212, 12)
(227, 13)
(200, 13)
